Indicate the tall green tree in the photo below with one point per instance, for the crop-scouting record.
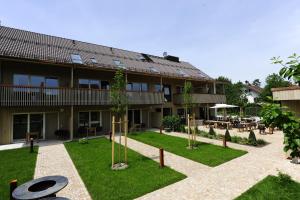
(272, 81)
(291, 69)
(256, 82)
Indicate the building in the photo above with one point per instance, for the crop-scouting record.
(288, 96)
(252, 92)
(50, 83)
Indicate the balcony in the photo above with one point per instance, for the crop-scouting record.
(11, 96)
(200, 98)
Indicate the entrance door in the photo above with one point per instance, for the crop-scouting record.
(51, 125)
(134, 117)
(20, 125)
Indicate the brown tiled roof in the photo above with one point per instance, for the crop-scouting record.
(254, 88)
(29, 45)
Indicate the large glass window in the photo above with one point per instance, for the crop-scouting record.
(105, 85)
(21, 79)
(94, 84)
(157, 88)
(84, 119)
(84, 83)
(137, 87)
(37, 81)
(89, 84)
(144, 87)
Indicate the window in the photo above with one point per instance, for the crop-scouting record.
(167, 92)
(157, 88)
(119, 64)
(52, 83)
(20, 79)
(105, 85)
(89, 84)
(179, 89)
(76, 58)
(90, 119)
(94, 61)
(84, 83)
(144, 87)
(94, 84)
(37, 81)
(153, 69)
(137, 87)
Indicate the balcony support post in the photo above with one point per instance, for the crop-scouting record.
(0, 71)
(71, 123)
(215, 88)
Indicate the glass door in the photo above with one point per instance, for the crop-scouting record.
(20, 125)
(36, 124)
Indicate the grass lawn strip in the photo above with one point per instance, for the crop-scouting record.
(207, 154)
(93, 162)
(16, 164)
(272, 188)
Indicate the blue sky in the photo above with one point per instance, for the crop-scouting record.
(233, 38)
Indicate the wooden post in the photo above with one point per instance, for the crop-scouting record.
(189, 139)
(160, 129)
(161, 158)
(113, 142)
(224, 142)
(120, 138)
(12, 186)
(126, 127)
(31, 145)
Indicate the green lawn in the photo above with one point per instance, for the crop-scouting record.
(93, 162)
(272, 188)
(15, 164)
(207, 154)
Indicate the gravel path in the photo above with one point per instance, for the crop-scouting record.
(225, 181)
(53, 159)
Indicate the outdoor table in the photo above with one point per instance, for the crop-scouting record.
(244, 125)
(39, 188)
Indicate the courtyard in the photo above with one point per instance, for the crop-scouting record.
(87, 166)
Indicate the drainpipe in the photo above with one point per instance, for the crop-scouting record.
(72, 109)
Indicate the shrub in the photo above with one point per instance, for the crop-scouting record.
(236, 139)
(260, 142)
(203, 133)
(227, 135)
(182, 128)
(284, 178)
(172, 122)
(219, 136)
(196, 130)
(83, 141)
(252, 139)
(212, 131)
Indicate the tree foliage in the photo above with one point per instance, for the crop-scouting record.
(118, 93)
(291, 69)
(277, 116)
(256, 82)
(272, 81)
(187, 94)
(234, 92)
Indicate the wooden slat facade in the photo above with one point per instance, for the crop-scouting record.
(11, 96)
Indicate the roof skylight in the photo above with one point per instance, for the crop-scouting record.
(119, 64)
(153, 69)
(182, 73)
(76, 58)
(94, 60)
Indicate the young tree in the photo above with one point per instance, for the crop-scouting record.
(119, 106)
(291, 69)
(187, 99)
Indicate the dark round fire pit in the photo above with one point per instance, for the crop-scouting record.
(43, 187)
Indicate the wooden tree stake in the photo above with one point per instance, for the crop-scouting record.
(161, 157)
(12, 186)
(113, 142)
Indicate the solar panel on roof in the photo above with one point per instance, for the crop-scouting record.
(119, 64)
(153, 69)
(147, 58)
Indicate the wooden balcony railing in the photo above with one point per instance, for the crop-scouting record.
(200, 98)
(45, 96)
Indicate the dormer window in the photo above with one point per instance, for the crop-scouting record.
(119, 64)
(76, 58)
